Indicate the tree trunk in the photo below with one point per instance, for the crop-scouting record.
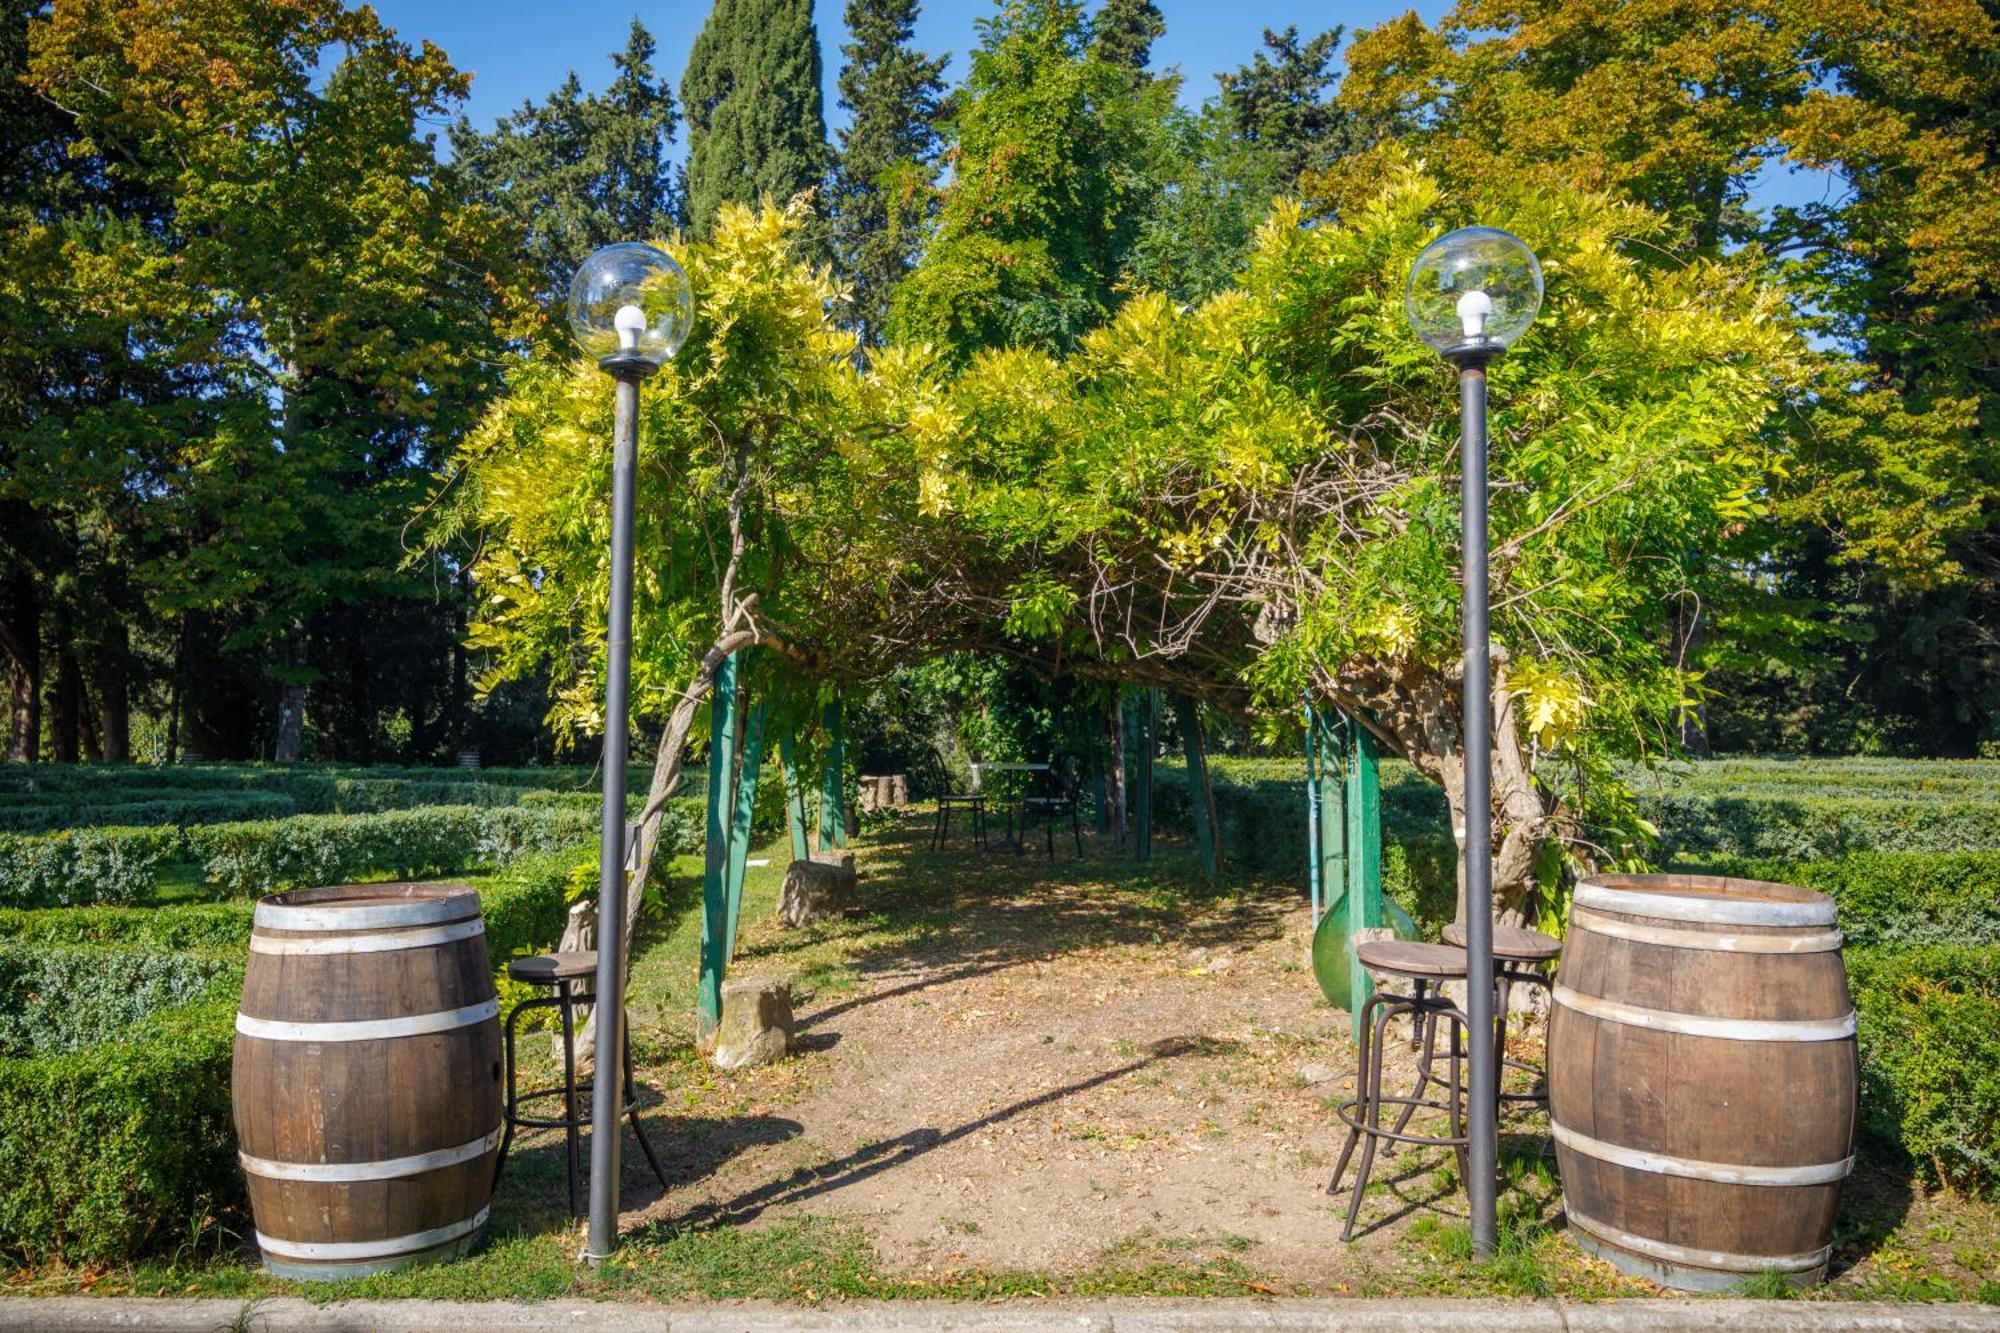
(292, 699)
(114, 692)
(582, 926)
(21, 640)
(66, 697)
(1690, 630)
(455, 726)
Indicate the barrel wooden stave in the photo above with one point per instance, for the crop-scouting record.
(407, 1125)
(1653, 1117)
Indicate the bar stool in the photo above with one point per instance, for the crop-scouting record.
(1519, 956)
(573, 976)
(1425, 967)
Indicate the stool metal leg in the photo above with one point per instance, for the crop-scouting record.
(1374, 1114)
(512, 1106)
(1426, 1021)
(571, 1132)
(1360, 1088)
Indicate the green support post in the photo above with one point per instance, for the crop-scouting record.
(715, 931)
(1139, 729)
(1364, 857)
(1333, 806)
(1201, 795)
(1313, 877)
(833, 782)
(795, 797)
(739, 826)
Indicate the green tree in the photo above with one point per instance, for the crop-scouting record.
(338, 319)
(1055, 153)
(756, 125)
(1282, 103)
(1123, 32)
(579, 171)
(888, 155)
(1886, 524)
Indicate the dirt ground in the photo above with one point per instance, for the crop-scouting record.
(1062, 1067)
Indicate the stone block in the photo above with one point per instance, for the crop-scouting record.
(817, 889)
(756, 1026)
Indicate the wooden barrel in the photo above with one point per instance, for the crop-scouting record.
(367, 1077)
(1702, 1077)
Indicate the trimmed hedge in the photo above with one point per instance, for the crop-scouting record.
(104, 865)
(121, 865)
(56, 998)
(1818, 828)
(1930, 1058)
(110, 1150)
(1895, 898)
(181, 810)
(118, 1147)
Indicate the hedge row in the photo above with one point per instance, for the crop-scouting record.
(179, 810)
(48, 779)
(1817, 828)
(1930, 1058)
(107, 1151)
(126, 1144)
(1895, 898)
(56, 998)
(121, 865)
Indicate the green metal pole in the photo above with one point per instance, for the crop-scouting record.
(1364, 859)
(1201, 795)
(739, 826)
(1312, 815)
(795, 797)
(715, 862)
(833, 781)
(1332, 812)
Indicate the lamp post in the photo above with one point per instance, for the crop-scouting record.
(1471, 293)
(630, 306)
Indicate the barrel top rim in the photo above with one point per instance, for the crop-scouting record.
(337, 896)
(1722, 888)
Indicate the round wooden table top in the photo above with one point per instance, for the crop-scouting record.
(1515, 944)
(549, 968)
(1412, 958)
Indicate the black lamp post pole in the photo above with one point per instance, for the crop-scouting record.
(1483, 1087)
(607, 1093)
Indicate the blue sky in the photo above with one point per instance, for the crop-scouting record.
(520, 49)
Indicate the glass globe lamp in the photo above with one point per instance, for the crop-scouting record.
(630, 306)
(1473, 291)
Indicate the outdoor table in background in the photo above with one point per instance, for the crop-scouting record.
(1009, 797)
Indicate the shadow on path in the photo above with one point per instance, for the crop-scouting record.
(887, 1154)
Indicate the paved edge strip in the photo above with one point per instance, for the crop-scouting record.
(89, 1314)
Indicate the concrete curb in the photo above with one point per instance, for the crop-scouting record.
(87, 1314)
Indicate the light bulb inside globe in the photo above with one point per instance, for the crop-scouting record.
(1473, 292)
(630, 306)
(630, 321)
(1473, 308)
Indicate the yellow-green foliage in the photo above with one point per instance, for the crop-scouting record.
(1287, 441)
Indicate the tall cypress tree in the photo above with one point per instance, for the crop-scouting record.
(756, 121)
(888, 155)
